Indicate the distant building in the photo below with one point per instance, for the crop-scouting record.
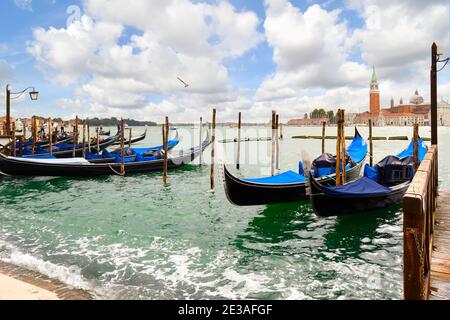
(308, 122)
(416, 111)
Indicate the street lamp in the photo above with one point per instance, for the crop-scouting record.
(15, 95)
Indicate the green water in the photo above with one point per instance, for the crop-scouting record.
(133, 238)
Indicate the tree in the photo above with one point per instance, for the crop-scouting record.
(306, 116)
(318, 113)
(331, 117)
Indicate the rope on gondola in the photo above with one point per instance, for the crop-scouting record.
(113, 170)
(5, 174)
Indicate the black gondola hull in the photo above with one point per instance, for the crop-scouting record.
(19, 167)
(243, 193)
(327, 205)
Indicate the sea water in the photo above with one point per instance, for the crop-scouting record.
(134, 238)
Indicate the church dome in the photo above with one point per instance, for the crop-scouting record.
(416, 98)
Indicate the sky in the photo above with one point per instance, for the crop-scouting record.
(123, 58)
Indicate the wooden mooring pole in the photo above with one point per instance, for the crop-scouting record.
(277, 137)
(130, 135)
(50, 136)
(274, 127)
(200, 141)
(213, 142)
(14, 139)
(338, 151)
(122, 146)
(33, 133)
(324, 125)
(75, 137)
(416, 147)
(89, 135)
(84, 139)
(344, 154)
(239, 142)
(166, 149)
(98, 140)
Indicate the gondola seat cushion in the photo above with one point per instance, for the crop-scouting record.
(106, 154)
(118, 159)
(283, 178)
(142, 158)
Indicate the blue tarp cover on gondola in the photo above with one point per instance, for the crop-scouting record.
(363, 186)
(357, 149)
(409, 152)
(283, 178)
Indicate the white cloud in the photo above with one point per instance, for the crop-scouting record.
(310, 50)
(24, 4)
(172, 39)
(122, 63)
(397, 36)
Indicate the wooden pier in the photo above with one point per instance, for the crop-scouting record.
(440, 257)
(426, 231)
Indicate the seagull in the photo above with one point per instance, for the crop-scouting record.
(185, 84)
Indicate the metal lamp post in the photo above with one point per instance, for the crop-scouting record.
(15, 95)
(435, 59)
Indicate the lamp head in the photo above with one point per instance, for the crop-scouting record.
(34, 95)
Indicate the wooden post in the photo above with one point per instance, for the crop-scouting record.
(8, 111)
(200, 141)
(24, 126)
(75, 137)
(50, 136)
(98, 140)
(88, 135)
(416, 147)
(370, 143)
(166, 149)
(324, 124)
(122, 145)
(277, 155)
(344, 151)
(14, 139)
(84, 139)
(213, 141)
(130, 131)
(239, 141)
(281, 131)
(274, 127)
(338, 152)
(33, 146)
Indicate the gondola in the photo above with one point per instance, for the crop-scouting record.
(105, 133)
(80, 167)
(289, 186)
(66, 150)
(172, 143)
(134, 139)
(381, 186)
(131, 153)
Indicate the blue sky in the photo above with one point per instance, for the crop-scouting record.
(254, 77)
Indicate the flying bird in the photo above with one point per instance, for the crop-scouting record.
(185, 84)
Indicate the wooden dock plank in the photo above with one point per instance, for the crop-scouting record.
(440, 260)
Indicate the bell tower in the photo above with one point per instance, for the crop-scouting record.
(374, 95)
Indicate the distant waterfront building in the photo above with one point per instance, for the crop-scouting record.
(308, 122)
(416, 111)
(374, 95)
